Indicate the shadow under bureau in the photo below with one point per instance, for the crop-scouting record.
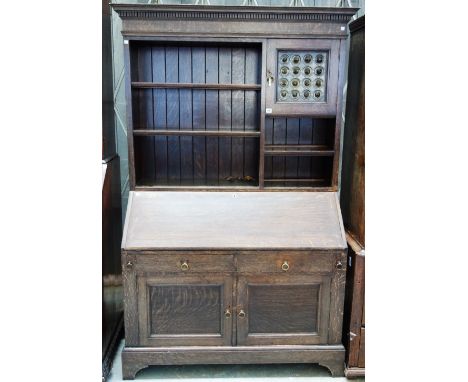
(233, 277)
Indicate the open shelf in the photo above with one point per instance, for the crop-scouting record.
(296, 182)
(190, 85)
(203, 133)
(188, 161)
(196, 115)
(197, 123)
(298, 150)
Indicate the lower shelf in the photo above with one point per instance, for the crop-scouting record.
(137, 358)
(296, 182)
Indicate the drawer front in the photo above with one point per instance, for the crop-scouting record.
(288, 262)
(185, 263)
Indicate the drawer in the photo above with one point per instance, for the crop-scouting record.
(286, 262)
(184, 263)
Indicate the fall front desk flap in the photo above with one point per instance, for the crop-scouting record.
(236, 220)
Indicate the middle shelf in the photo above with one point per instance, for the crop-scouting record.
(298, 150)
(206, 133)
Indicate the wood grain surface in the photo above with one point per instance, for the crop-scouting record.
(230, 220)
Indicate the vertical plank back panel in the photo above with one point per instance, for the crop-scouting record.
(225, 113)
(145, 114)
(185, 97)
(251, 111)
(292, 138)
(269, 141)
(238, 106)
(173, 123)
(305, 138)
(159, 113)
(279, 138)
(212, 105)
(199, 99)
(186, 160)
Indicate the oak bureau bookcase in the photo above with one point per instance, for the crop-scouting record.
(233, 248)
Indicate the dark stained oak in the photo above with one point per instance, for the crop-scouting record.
(283, 308)
(296, 311)
(211, 220)
(233, 249)
(191, 85)
(217, 133)
(184, 309)
(201, 93)
(137, 358)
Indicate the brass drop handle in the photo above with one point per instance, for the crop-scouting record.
(227, 313)
(285, 266)
(129, 264)
(184, 265)
(241, 313)
(339, 265)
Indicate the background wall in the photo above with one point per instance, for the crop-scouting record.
(118, 65)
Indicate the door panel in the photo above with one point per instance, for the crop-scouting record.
(185, 309)
(283, 310)
(306, 75)
(188, 310)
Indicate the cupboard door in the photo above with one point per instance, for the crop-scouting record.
(302, 77)
(283, 310)
(187, 310)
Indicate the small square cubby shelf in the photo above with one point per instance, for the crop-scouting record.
(299, 152)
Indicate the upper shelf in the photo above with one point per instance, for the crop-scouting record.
(191, 85)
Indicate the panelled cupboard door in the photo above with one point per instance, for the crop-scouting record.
(283, 310)
(302, 77)
(185, 310)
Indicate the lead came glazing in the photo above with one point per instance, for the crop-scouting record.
(284, 58)
(302, 76)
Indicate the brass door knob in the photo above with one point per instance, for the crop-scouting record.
(184, 266)
(242, 313)
(227, 313)
(285, 266)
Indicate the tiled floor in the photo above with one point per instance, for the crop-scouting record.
(231, 373)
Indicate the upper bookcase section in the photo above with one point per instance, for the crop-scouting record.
(225, 21)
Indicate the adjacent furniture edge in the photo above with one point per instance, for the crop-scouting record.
(108, 357)
(354, 372)
(357, 24)
(354, 319)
